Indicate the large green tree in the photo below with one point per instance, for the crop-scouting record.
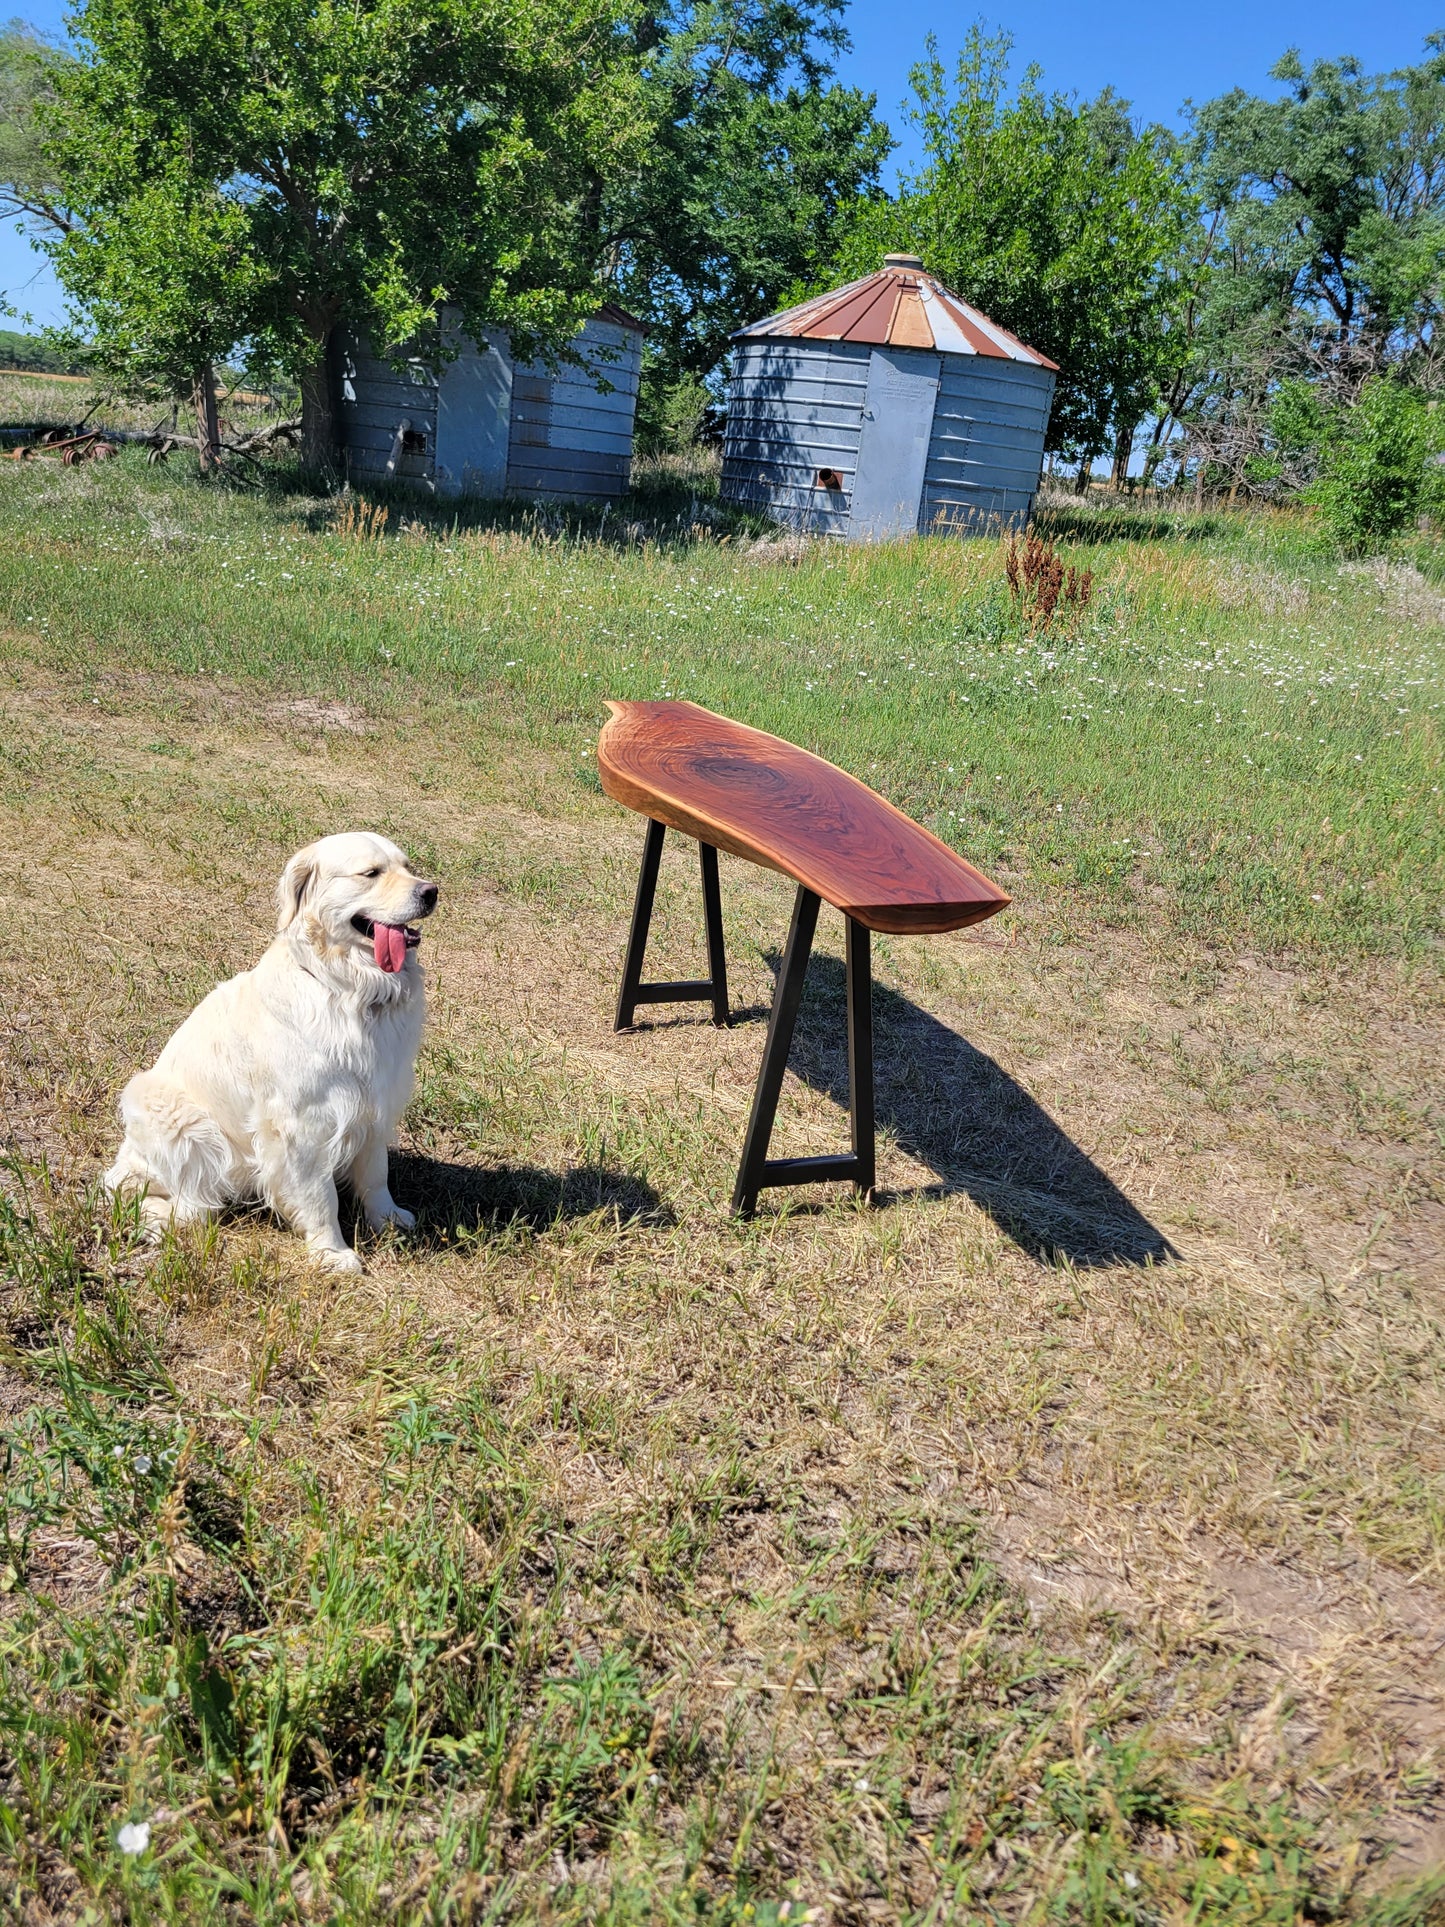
(1058, 219)
(1326, 203)
(756, 158)
(370, 161)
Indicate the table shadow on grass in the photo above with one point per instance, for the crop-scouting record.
(452, 1199)
(951, 1107)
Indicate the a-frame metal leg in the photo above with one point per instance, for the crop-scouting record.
(757, 1169)
(641, 920)
(860, 1057)
(753, 1170)
(711, 989)
(717, 959)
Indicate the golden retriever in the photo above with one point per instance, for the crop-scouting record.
(294, 1074)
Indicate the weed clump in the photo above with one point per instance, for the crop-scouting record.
(1039, 582)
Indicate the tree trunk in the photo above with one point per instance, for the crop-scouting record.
(1123, 455)
(319, 449)
(208, 424)
(1081, 480)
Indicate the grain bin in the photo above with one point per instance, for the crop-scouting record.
(485, 424)
(889, 407)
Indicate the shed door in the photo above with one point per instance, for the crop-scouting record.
(474, 414)
(893, 448)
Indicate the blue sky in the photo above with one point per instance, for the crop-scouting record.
(1155, 56)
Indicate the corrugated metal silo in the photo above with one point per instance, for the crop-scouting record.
(889, 407)
(489, 425)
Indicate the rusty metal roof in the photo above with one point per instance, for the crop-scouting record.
(901, 306)
(619, 317)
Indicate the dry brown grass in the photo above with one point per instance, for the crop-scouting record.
(47, 400)
(1155, 1293)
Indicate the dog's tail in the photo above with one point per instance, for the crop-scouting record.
(173, 1147)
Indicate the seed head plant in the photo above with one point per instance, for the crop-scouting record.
(1042, 587)
(361, 521)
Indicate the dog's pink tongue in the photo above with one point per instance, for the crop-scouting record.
(388, 946)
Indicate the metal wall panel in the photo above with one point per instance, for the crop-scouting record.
(987, 448)
(569, 438)
(893, 446)
(375, 400)
(474, 418)
(530, 430)
(795, 410)
(796, 407)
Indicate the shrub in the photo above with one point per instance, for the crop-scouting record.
(674, 412)
(1377, 468)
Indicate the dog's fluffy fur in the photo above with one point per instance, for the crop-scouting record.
(293, 1074)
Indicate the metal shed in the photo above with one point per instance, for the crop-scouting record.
(889, 407)
(489, 425)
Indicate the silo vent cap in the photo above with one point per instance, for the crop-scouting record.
(901, 261)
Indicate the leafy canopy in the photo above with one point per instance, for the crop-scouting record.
(1057, 219)
(755, 160)
(1331, 203)
(28, 188)
(1378, 467)
(1325, 206)
(279, 164)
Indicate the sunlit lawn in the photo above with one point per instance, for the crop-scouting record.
(1060, 1541)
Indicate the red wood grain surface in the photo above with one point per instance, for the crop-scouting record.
(775, 804)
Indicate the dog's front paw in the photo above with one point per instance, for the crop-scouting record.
(344, 1260)
(391, 1214)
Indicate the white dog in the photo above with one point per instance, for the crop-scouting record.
(295, 1073)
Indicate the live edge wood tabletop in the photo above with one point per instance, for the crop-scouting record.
(756, 796)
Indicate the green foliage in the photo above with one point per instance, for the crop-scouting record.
(1325, 264)
(161, 278)
(376, 162)
(29, 65)
(35, 352)
(1298, 419)
(1056, 219)
(1333, 198)
(1377, 470)
(754, 162)
(672, 410)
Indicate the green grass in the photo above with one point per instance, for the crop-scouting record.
(1240, 738)
(414, 1700)
(596, 1558)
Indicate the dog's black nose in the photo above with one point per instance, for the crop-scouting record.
(429, 898)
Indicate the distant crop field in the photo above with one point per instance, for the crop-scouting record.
(1062, 1540)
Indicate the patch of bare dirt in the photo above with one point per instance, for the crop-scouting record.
(307, 712)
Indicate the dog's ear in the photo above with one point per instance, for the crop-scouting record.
(295, 886)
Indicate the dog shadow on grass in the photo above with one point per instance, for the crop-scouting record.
(452, 1200)
(952, 1108)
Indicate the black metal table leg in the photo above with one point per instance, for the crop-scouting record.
(641, 920)
(754, 1168)
(711, 989)
(717, 958)
(757, 1170)
(860, 1057)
